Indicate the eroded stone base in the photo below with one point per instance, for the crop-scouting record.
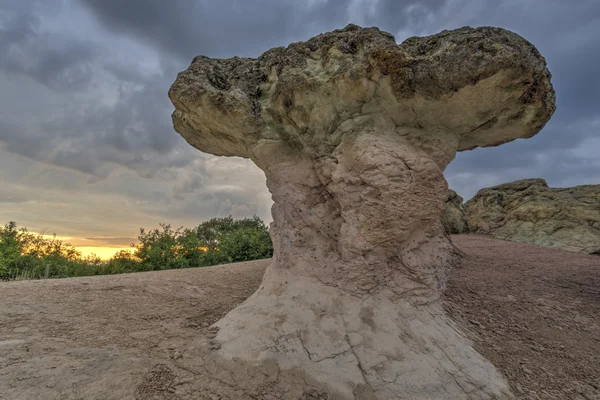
(310, 341)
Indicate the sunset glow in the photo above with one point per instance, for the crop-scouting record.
(105, 253)
(96, 246)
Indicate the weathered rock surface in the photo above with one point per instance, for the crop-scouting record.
(353, 132)
(453, 218)
(529, 211)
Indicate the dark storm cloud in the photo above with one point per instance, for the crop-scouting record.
(248, 28)
(392, 15)
(86, 134)
(135, 132)
(55, 60)
(218, 28)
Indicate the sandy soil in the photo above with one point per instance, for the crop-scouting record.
(533, 311)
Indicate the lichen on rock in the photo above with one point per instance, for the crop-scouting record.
(353, 132)
(529, 211)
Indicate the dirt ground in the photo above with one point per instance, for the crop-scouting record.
(533, 311)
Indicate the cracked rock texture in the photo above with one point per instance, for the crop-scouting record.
(353, 132)
(453, 218)
(529, 211)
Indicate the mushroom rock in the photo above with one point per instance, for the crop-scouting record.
(353, 133)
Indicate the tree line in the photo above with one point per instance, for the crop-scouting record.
(26, 255)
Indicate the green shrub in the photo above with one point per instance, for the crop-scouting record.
(24, 255)
(246, 244)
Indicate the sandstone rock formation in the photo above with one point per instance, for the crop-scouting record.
(353, 132)
(529, 211)
(453, 218)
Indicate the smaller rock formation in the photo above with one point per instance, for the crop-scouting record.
(454, 219)
(531, 212)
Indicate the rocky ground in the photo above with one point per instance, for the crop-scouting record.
(533, 311)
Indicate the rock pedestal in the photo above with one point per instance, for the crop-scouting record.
(353, 132)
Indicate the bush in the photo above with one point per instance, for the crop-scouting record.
(24, 255)
(217, 241)
(122, 262)
(246, 244)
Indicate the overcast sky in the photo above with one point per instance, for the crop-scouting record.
(87, 148)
